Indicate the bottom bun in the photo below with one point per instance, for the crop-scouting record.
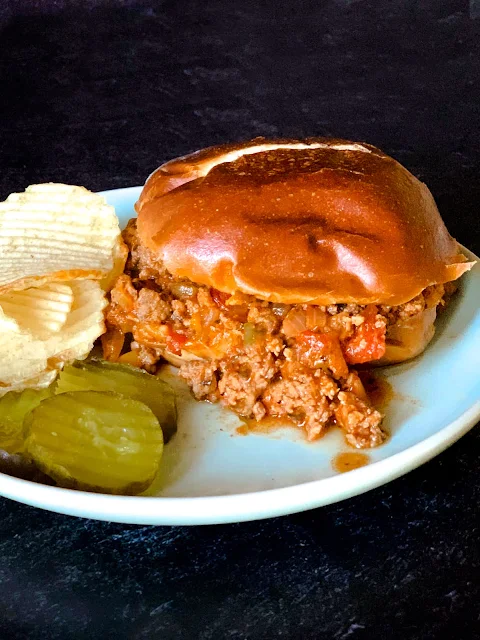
(409, 338)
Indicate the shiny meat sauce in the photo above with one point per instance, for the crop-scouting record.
(349, 460)
(264, 426)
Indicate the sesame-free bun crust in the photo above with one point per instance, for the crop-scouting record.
(317, 221)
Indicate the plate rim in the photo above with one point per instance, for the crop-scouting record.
(237, 507)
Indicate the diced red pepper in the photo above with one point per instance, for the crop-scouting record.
(175, 342)
(326, 345)
(368, 342)
(238, 312)
(219, 297)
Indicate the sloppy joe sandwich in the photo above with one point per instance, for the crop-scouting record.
(270, 270)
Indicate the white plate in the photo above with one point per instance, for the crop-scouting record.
(211, 474)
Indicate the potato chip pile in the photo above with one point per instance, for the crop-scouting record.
(60, 248)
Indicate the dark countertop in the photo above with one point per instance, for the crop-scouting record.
(100, 96)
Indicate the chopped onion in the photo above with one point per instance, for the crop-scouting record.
(316, 317)
(112, 344)
(130, 357)
(177, 360)
(211, 316)
(294, 323)
(200, 350)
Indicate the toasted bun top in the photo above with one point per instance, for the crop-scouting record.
(316, 221)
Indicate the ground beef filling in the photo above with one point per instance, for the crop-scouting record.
(255, 357)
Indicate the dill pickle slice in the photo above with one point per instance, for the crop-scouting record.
(19, 466)
(96, 441)
(98, 375)
(14, 406)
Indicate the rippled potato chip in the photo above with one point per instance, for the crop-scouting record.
(60, 250)
(56, 232)
(41, 310)
(27, 361)
(42, 381)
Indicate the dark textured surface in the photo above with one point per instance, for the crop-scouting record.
(100, 96)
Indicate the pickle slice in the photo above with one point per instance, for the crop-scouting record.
(19, 466)
(98, 375)
(96, 441)
(14, 406)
